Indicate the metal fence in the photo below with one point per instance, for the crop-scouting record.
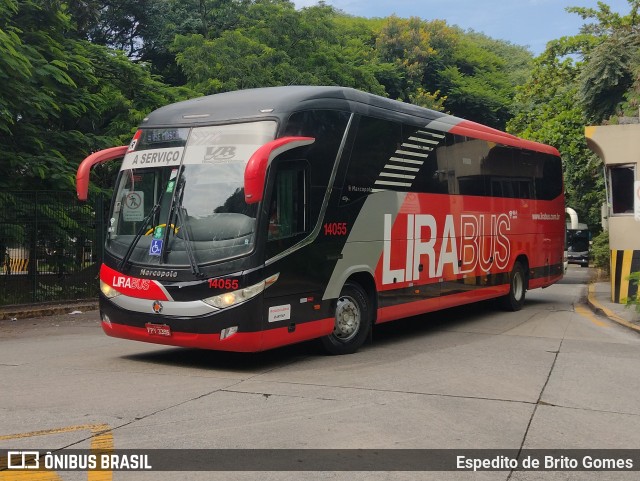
(51, 246)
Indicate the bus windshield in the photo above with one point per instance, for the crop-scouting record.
(577, 240)
(180, 195)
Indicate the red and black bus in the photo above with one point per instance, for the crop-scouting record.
(248, 220)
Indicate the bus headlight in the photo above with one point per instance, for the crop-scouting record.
(108, 291)
(232, 298)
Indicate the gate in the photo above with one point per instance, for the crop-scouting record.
(51, 246)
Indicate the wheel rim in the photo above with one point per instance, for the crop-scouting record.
(518, 286)
(348, 318)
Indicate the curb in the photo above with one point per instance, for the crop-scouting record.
(598, 308)
(26, 312)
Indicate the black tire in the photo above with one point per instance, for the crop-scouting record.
(517, 289)
(352, 321)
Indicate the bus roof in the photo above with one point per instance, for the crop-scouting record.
(270, 102)
(274, 101)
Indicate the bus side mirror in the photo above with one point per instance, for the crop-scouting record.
(84, 169)
(256, 170)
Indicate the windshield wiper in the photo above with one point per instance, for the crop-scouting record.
(176, 207)
(187, 241)
(138, 235)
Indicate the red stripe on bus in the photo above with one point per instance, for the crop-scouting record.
(239, 342)
(132, 286)
(400, 311)
(471, 129)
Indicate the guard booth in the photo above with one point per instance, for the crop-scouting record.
(619, 148)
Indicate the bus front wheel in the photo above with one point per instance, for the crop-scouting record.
(352, 321)
(517, 288)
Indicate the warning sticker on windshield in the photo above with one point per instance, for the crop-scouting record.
(133, 206)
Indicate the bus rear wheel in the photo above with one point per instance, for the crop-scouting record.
(352, 321)
(517, 288)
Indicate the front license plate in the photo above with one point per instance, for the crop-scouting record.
(158, 329)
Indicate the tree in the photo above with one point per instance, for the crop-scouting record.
(406, 43)
(608, 75)
(275, 44)
(611, 58)
(547, 112)
(564, 94)
(62, 96)
(40, 71)
(465, 73)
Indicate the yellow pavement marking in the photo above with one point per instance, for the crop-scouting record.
(584, 312)
(101, 439)
(608, 312)
(29, 475)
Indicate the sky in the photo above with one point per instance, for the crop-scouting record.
(530, 23)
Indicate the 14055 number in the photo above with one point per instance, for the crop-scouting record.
(223, 283)
(335, 228)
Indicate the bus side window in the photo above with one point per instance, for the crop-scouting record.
(374, 148)
(549, 185)
(288, 205)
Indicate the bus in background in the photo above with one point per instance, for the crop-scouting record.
(253, 219)
(578, 242)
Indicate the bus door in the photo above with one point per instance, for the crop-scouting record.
(289, 251)
(296, 199)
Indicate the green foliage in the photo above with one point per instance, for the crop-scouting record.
(42, 91)
(547, 112)
(406, 44)
(426, 99)
(475, 76)
(608, 75)
(428, 63)
(517, 60)
(231, 62)
(563, 95)
(274, 44)
(63, 97)
(474, 85)
(606, 22)
(601, 252)
(634, 278)
(609, 47)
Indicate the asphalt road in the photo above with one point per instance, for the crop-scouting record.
(552, 376)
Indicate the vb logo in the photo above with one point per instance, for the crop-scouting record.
(216, 154)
